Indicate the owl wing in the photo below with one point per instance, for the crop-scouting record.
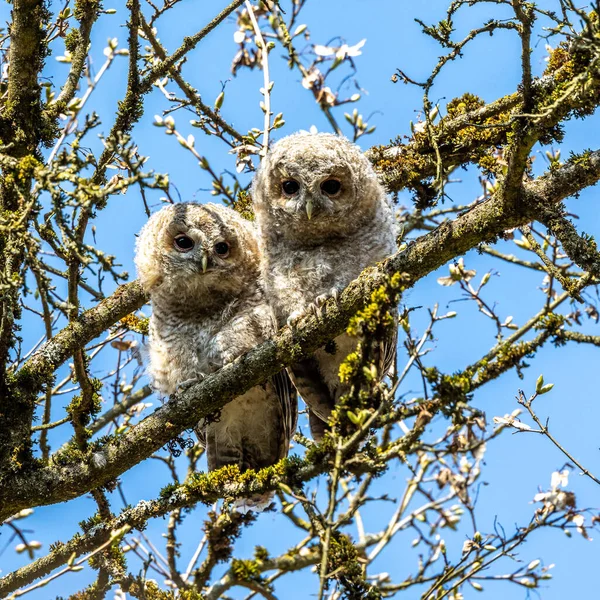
(321, 398)
(388, 351)
(288, 400)
(200, 432)
(250, 450)
(310, 383)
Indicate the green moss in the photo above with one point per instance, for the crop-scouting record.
(411, 165)
(375, 327)
(149, 590)
(584, 159)
(72, 40)
(246, 570)
(261, 553)
(463, 104)
(509, 355)
(212, 485)
(90, 522)
(344, 561)
(83, 8)
(243, 205)
(82, 408)
(27, 166)
(134, 323)
(453, 390)
(18, 448)
(568, 64)
(551, 322)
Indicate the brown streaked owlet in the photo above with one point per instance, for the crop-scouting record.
(200, 264)
(322, 217)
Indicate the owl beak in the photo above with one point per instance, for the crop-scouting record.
(309, 208)
(204, 262)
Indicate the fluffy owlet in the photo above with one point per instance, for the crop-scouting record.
(200, 265)
(322, 217)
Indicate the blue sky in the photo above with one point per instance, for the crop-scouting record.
(515, 465)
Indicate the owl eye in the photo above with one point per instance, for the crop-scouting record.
(222, 249)
(290, 187)
(331, 187)
(183, 243)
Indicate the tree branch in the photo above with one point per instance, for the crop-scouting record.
(23, 124)
(485, 222)
(581, 249)
(86, 13)
(35, 372)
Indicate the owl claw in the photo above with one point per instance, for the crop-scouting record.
(188, 383)
(311, 309)
(257, 503)
(322, 299)
(293, 319)
(315, 309)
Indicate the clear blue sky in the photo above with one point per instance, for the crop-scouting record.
(516, 465)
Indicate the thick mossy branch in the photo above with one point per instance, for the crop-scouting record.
(471, 130)
(22, 115)
(485, 222)
(580, 248)
(23, 130)
(467, 134)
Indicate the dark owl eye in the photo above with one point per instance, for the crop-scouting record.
(290, 187)
(222, 249)
(331, 187)
(183, 243)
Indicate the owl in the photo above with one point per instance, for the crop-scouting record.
(322, 217)
(200, 265)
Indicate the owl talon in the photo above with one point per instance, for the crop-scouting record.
(298, 315)
(320, 300)
(258, 503)
(188, 383)
(315, 309)
(293, 319)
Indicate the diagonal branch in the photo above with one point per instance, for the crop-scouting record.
(485, 222)
(581, 249)
(461, 139)
(189, 43)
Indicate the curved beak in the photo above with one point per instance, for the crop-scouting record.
(309, 208)
(204, 262)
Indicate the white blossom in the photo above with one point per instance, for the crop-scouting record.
(341, 52)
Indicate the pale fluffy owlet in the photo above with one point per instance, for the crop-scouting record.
(322, 217)
(200, 265)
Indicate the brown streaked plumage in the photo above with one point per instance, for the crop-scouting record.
(322, 217)
(201, 267)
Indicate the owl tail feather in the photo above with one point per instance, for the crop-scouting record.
(257, 503)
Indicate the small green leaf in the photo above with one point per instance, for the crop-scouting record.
(285, 488)
(539, 384)
(353, 417)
